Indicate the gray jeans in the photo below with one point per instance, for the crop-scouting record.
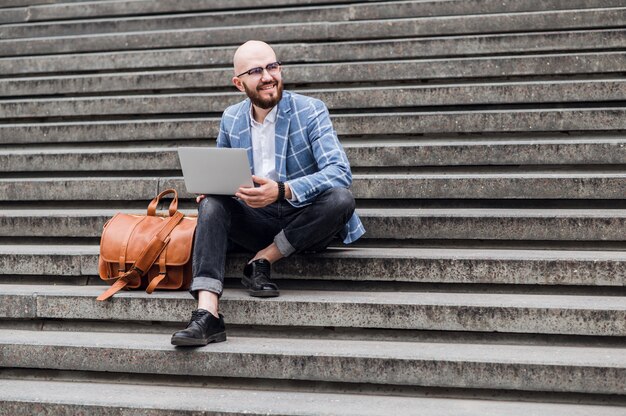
(223, 219)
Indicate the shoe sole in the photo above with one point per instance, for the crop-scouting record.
(194, 342)
(266, 293)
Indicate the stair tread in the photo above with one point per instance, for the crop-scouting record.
(323, 52)
(370, 71)
(169, 398)
(530, 301)
(513, 173)
(523, 354)
(331, 95)
(362, 252)
(426, 26)
(427, 122)
(367, 212)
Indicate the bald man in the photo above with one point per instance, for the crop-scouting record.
(300, 203)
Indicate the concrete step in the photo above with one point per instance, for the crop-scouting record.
(534, 92)
(480, 121)
(26, 397)
(20, 3)
(247, 17)
(506, 185)
(427, 265)
(437, 311)
(477, 121)
(56, 6)
(411, 152)
(507, 66)
(532, 185)
(426, 224)
(322, 31)
(35, 13)
(512, 367)
(31, 11)
(261, 16)
(447, 46)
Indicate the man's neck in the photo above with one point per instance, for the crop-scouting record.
(260, 113)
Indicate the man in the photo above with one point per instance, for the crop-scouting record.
(301, 201)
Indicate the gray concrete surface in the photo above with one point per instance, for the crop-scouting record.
(27, 397)
(200, 19)
(596, 149)
(532, 185)
(507, 66)
(505, 185)
(398, 224)
(534, 92)
(453, 25)
(196, 17)
(431, 265)
(437, 311)
(544, 120)
(497, 121)
(35, 12)
(514, 367)
(448, 46)
(101, 189)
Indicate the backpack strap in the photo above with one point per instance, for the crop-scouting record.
(162, 272)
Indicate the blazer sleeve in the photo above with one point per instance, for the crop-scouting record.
(332, 162)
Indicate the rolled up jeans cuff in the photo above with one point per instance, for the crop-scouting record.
(284, 246)
(206, 283)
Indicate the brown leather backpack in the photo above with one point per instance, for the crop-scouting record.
(147, 251)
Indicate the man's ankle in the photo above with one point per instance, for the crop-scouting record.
(212, 312)
(270, 253)
(208, 301)
(259, 258)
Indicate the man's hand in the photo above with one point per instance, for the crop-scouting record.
(200, 198)
(259, 197)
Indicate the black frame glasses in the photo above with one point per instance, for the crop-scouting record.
(272, 69)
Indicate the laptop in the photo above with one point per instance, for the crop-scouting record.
(216, 171)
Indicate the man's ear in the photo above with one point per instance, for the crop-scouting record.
(238, 84)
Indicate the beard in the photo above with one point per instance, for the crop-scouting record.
(265, 103)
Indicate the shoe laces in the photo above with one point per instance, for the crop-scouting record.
(262, 267)
(197, 315)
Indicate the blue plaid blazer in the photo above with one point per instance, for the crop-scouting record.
(309, 156)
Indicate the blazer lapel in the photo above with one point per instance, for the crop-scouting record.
(283, 119)
(243, 131)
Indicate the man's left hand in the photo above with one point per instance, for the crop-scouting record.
(261, 196)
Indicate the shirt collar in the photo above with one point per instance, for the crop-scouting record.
(270, 118)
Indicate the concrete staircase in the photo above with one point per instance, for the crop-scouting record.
(488, 145)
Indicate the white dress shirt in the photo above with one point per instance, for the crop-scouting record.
(264, 145)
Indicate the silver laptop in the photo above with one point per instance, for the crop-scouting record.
(217, 171)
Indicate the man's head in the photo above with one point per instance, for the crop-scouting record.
(265, 89)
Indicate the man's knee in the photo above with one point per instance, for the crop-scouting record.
(213, 206)
(341, 201)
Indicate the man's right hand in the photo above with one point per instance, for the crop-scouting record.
(200, 198)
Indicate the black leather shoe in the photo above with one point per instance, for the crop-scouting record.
(257, 279)
(203, 329)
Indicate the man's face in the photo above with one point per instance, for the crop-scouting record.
(264, 86)
(264, 90)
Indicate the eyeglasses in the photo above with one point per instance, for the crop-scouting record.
(273, 69)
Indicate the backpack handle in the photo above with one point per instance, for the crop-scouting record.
(173, 206)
